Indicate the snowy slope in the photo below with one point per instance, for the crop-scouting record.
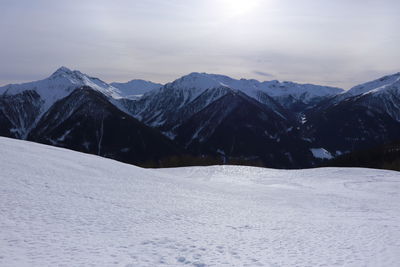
(59, 207)
(136, 88)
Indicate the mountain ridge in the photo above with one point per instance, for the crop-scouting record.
(311, 117)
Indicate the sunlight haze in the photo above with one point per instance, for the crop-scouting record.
(338, 43)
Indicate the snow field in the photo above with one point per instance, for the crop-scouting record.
(64, 208)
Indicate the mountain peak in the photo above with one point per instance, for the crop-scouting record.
(62, 70)
(200, 81)
(60, 84)
(196, 75)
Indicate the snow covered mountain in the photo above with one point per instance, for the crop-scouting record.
(71, 109)
(168, 106)
(60, 207)
(281, 124)
(280, 91)
(60, 84)
(136, 88)
(380, 85)
(382, 95)
(288, 94)
(24, 104)
(365, 116)
(190, 110)
(383, 86)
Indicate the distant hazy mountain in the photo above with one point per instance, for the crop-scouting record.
(136, 88)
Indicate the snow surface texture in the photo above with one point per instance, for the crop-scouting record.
(64, 208)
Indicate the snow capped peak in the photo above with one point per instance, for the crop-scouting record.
(69, 76)
(378, 85)
(59, 85)
(197, 80)
(77, 77)
(192, 85)
(62, 70)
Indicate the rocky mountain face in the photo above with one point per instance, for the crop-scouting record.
(86, 121)
(237, 127)
(19, 113)
(272, 123)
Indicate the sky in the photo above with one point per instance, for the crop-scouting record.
(330, 42)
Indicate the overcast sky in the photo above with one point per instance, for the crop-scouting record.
(329, 42)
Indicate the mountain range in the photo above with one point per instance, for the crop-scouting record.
(272, 123)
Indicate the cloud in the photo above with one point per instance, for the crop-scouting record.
(161, 40)
(261, 73)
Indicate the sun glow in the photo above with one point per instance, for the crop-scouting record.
(235, 8)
